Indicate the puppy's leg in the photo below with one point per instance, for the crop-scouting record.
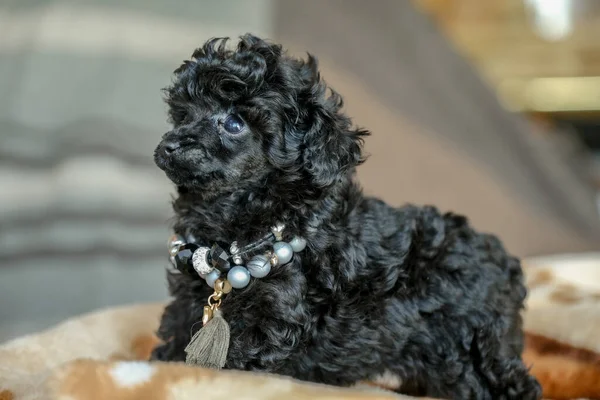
(485, 366)
(502, 369)
(444, 383)
(173, 333)
(169, 351)
(180, 316)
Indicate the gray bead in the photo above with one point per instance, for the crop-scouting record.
(259, 266)
(284, 252)
(239, 277)
(298, 244)
(212, 277)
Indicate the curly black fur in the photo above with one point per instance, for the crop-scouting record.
(407, 291)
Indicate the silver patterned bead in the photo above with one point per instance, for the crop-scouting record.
(200, 261)
(278, 231)
(173, 250)
(212, 277)
(175, 241)
(239, 277)
(259, 266)
(298, 244)
(284, 252)
(234, 248)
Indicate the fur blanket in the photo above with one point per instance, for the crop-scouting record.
(100, 355)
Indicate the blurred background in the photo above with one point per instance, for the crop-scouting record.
(488, 108)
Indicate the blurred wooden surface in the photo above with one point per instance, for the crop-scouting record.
(529, 72)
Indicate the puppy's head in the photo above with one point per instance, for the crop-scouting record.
(254, 118)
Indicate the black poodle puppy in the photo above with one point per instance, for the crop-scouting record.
(407, 293)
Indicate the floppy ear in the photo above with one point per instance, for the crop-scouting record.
(331, 147)
(324, 145)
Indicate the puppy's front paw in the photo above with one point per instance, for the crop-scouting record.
(168, 351)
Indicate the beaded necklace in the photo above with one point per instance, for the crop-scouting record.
(209, 346)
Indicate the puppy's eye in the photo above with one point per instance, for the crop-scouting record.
(233, 124)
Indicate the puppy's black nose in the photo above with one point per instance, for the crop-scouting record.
(170, 147)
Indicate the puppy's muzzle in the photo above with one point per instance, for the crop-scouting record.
(163, 153)
(168, 147)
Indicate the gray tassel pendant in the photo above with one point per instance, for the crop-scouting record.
(209, 346)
